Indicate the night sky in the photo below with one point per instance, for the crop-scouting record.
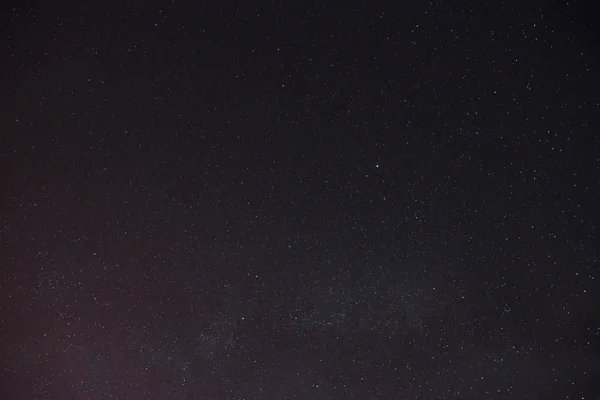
(299, 200)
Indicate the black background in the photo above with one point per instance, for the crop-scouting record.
(297, 199)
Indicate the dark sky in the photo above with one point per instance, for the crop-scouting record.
(299, 200)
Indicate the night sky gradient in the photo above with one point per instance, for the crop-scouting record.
(299, 200)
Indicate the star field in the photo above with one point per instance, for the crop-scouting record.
(299, 200)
